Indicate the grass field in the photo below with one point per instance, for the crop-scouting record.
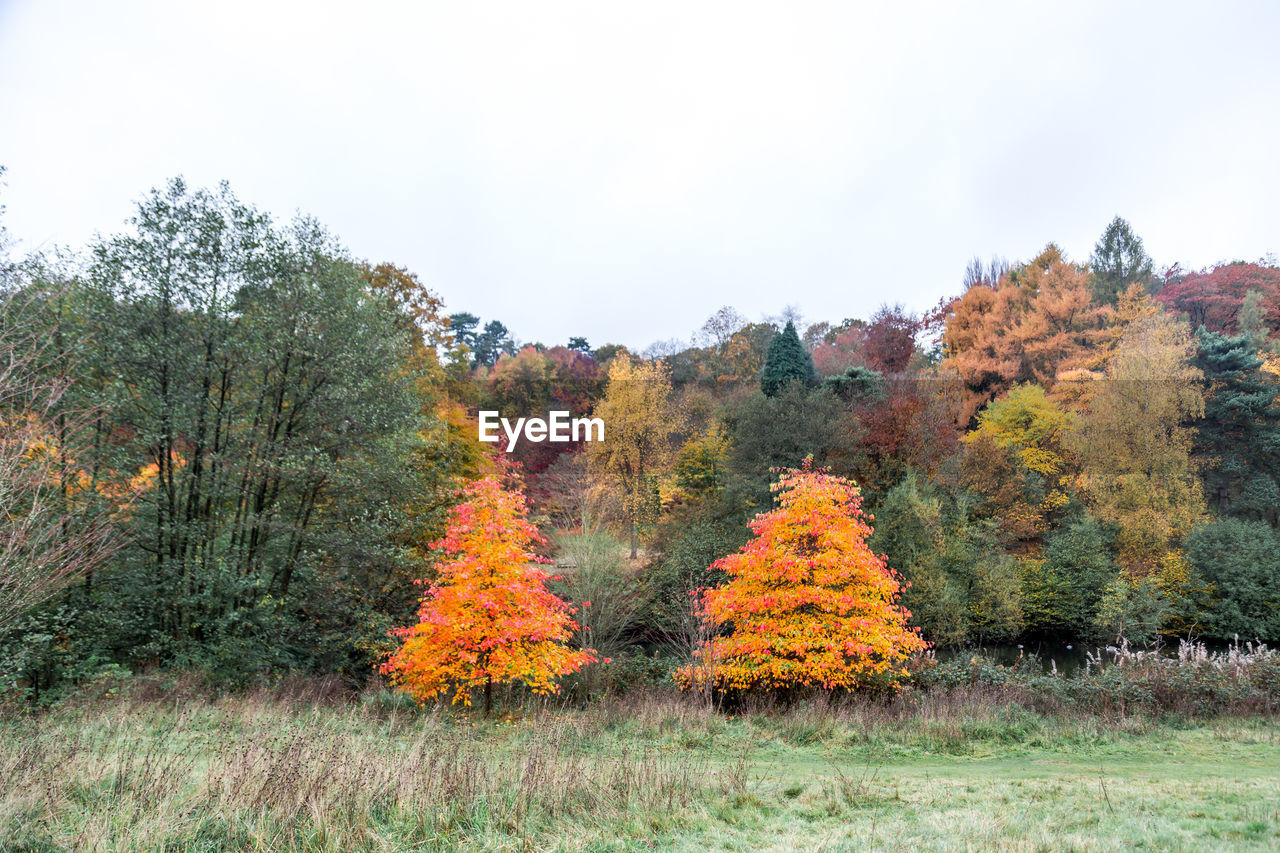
(960, 770)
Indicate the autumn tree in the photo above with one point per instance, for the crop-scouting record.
(1026, 422)
(890, 339)
(1134, 441)
(1118, 261)
(1039, 320)
(807, 603)
(55, 528)
(488, 616)
(1214, 298)
(640, 422)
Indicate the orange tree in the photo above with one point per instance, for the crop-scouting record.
(807, 603)
(488, 617)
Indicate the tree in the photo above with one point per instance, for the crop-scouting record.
(265, 380)
(890, 339)
(491, 343)
(1062, 590)
(640, 422)
(1239, 558)
(786, 361)
(463, 328)
(54, 527)
(1238, 440)
(593, 575)
(1134, 442)
(807, 603)
(781, 431)
(1037, 322)
(962, 587)
(1118, 262)
(487, 617)
(1028, 423)
(1214, 298)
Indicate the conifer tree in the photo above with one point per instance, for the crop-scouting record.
(1238, 440)
(1118, 261)
(785, 361)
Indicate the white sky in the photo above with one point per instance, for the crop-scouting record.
(620, 171)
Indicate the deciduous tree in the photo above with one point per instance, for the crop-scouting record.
(487, 617)
(640, 422)
(807, 603)
(1038, 321)
(1134, 440)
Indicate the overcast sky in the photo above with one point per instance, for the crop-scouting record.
(620, 171)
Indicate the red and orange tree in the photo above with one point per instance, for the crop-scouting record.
(488, 617)
(807, 603)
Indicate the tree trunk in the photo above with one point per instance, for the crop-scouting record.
(633, 539)
(488, 697)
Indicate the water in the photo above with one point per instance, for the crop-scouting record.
(1069, 657)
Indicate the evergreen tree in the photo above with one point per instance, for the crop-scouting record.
(1239, 558)
(492, 343)
(1238, 441)
(785, 361)
(1118, 261)
(463, 328)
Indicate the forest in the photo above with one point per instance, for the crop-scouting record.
(232, 447)
(267, 581)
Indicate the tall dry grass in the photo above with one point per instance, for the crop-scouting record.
(259, 772)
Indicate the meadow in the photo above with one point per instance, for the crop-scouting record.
(305, 765)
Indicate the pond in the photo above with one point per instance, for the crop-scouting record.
(1069, 657)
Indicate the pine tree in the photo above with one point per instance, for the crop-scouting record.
(785, 361)
(1238, 441)
(1118, 261)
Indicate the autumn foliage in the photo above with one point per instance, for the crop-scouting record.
(807, 604)
(488, 617)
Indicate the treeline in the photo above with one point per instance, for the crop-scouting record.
(272, 431)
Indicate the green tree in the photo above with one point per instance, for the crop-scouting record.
(1239, 558)
(265, 388)
(1131, 609)
(786, 361)
(1238, 440)
(1118, 261)
(780, 431)
(963, 587)
(1061, 591)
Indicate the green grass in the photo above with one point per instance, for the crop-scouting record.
(951, 771)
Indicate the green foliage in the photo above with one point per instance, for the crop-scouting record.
(1061, 591)
(258, 403)
(1238, 440)
(962, 587)
(786, 361)
(1119, 261)
(686, 566)
(780, 431)
(1239, 558)
(1132, 609)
